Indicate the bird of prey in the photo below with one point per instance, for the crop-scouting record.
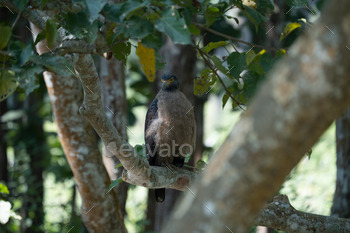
(170, 128)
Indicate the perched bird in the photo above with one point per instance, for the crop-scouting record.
(170, 128)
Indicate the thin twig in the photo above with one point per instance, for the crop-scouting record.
(233, 38)
(16, 20)
(217, 75)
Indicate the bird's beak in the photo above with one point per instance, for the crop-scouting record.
(167, 82)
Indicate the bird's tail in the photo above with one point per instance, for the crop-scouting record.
(160, 194)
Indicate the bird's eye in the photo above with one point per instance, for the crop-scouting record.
(171, 80)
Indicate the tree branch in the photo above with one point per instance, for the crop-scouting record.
(233, 38)
(281, 215)
(138, 171)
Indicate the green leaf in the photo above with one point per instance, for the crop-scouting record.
(203, 82)
(249, 57)
(288, 29)
(226, 96)
(210, 15)
(237, 63)
(220, 67)
(214, 45)
(20, 4)
(121, 50)
(118, 12)
(54, 63)
(4, 189)
(297, 3)
(5, 32)
(27, 78)
(265, 6)
(140, 150)
(51, 32)
(254, 16)
(8, 84)
(114, 184)
(136, 27)
(94, 7)
(79, 25)
(118, 166)
(174, 26)
(41, 36)
(25, 55)
(200, 165)
(153, 40)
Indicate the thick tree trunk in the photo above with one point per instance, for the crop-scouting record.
(341, 201)
(303, 95)
(80, 145)
(114, 95)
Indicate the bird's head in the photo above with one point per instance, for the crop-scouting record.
(170, 82)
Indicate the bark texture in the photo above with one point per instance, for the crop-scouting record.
(280, 214)
(304, 93)
(341, 201)
(80, 146)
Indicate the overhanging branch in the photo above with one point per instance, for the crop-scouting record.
(281, 215)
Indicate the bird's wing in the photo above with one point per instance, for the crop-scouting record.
(152, 114)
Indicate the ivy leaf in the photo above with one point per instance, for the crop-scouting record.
(288, 29)
(51, 32)
(237, 63)
(5, 32)
(174, 26)
(147, 60)
(297, 3)
(8, 85)
(114, 184)
(210, 15)
(94, 7)
(214, 45)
